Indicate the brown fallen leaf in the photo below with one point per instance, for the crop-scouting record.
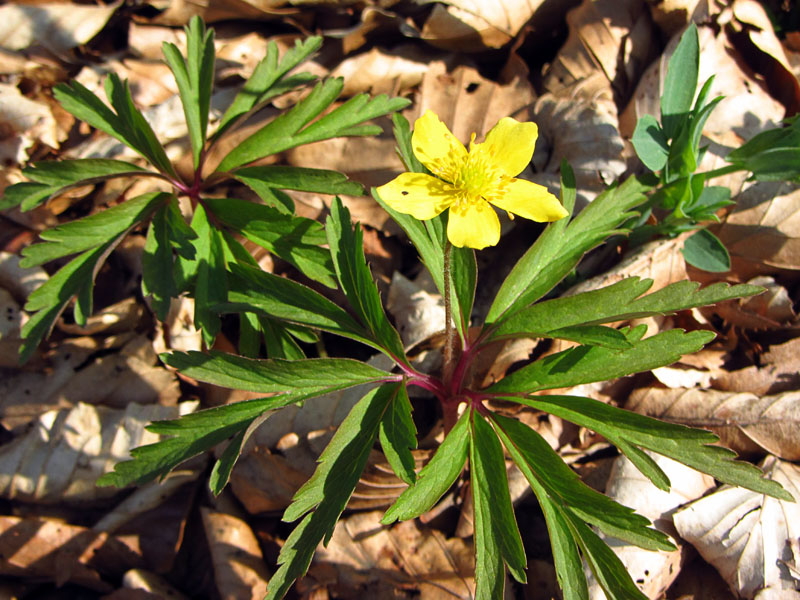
(748, 536)
(383, 72)
(778, 371)
(239, 569)
(25, 123)
(653, 572)
(746, 423)
(365, 558)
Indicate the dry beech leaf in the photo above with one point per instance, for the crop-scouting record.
(58, 26)
(179, 12)
(746, 423)
(239, 569)
(671, 16)
(24, 123)
(402, 561)
(149, 583)
(474, 25)
(59, 459)
(20, 281)
(613, 37)
(382, 72)
(51, 550)
(417, 312)
(778, 371)
(748, 536)
(653, 572)
(151, 81)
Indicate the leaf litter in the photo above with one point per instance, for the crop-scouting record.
(82, 402)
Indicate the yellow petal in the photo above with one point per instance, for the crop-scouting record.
(509, 145)
(476, 226)
(530, 200)
(417, 194)
(436, 147)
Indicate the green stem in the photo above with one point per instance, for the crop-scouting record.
(721, 171)
(449, 330)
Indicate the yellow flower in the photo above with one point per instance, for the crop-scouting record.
(468, 182)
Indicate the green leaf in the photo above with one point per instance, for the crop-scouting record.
(180, 235)
(280, 339)
(358, 284)
(254, 290)
(585, 364)
(620, 301)
(195, 79)
(680, 83)
(435, 478)
(543, 467)
(210, 285)
(92, 231)
(398, 436)
(592, 335)
(492, 501)
(772, 155)
(295, 239)
(297, 378)
(402, 134)
(329, 489)
(292, 128)
(705, 251)
(50, 178)
(556, 252)
(158, 281)
(650, 143)
(303, 179)
(693, 447)
(268, 72)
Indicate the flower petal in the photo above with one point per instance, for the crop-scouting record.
(476, 226)
(530, 200)
(436, 147)
(417, 194)
(509, 145)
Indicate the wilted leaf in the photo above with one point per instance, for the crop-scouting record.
(744, 422)
(747, 536)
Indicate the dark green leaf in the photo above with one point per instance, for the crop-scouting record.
(402, 133)
(295, 239)
(436, 477)
(586, 364)
(158, 281)
(592, 335)
(704, 251)
(250, 335)
(180, 234)
(491, 497)
(298, 178)
(280, 339)
(329, 489)
(650, 143)
(357, 282)
(680, 83)
(398, 436)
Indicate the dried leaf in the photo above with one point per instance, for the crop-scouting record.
(744, 422)
(747, 536)
(24, 122)
(382, 72)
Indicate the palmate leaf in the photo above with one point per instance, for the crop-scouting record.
(620, 301)
(561, 246)
(347, 250)
(497, 540)
(294, 128)
(50, 178)
(291, 381)
(195, 78)
(630, 432)
(325, 495)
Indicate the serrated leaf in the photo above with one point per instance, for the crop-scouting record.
(556, 252)
(492, 500)
(279, 339)
(347, 250)
(680, 83)
(210, 284)
(650, 143)
(592, 335)
(268, 72)
(195, 78)
(254, 290)
(620, 301)
(158, 281)
(297, 240)
(292, 128)
(329, 489)
(586, 364)
(436, 477)
(302, 179)
(398, 436)
(89, 232)
(692, 447)
(705, 251)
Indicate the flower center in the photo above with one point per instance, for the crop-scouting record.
(478, 178)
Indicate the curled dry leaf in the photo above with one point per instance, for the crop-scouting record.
(25, 123)
(653, 572)
(382, 72)
(746, 423)
(57, 26)
(402, 561)
(239, 569)
(474, 25)
(63, 454)
(417, 312)
(748, 537)
(778, 371)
